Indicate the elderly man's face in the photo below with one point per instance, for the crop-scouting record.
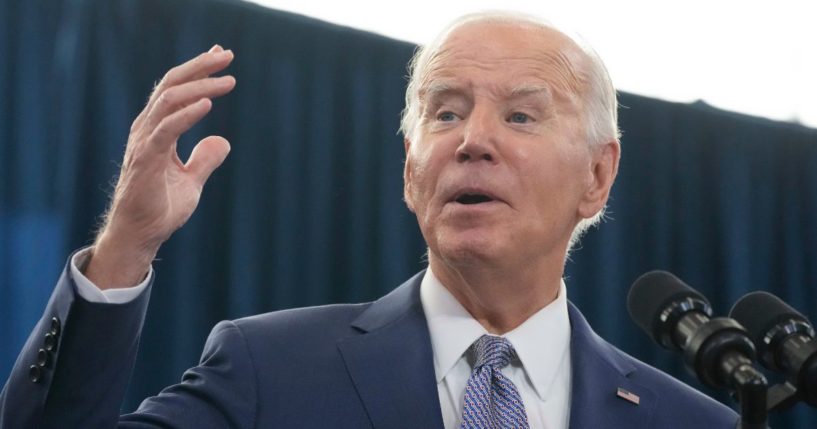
(499, 169)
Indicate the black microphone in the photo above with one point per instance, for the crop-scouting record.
(784, 339)
(717, 350)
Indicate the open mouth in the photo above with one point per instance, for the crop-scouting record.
(473, 199)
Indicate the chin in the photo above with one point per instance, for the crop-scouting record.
(469, 248)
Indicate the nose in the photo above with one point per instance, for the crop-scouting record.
(479, 138)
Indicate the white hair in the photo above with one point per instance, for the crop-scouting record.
(599, 104)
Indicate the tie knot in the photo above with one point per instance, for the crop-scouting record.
(493, 351)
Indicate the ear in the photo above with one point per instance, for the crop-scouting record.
(602, 174)
(407, 177)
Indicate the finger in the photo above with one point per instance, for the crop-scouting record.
(208, 154)
(171, 127)
(181, 96)
(205, 64)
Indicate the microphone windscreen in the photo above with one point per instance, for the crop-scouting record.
(651, 294)
(760, 311)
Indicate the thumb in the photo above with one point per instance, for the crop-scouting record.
(208, 154)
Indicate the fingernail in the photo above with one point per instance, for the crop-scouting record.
(215, 48)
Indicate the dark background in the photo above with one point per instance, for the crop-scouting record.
(307, 209)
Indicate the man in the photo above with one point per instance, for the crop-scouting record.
(511, 150)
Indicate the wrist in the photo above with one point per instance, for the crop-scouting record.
(118, 263)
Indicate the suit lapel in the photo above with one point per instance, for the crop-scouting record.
(391, 363)
(599, 371)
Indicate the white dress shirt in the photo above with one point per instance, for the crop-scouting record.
(90, 292)
(542, 373)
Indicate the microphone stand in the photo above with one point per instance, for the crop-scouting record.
(751, 388)
(719, 352)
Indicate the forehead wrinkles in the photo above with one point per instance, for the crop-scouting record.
(562, 70)
(434, 64)
(556, 68)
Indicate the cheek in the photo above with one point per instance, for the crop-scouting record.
(420, 178)
(537, 163)
(552, 175)
(423, 162)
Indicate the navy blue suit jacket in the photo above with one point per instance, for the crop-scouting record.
(338, 366)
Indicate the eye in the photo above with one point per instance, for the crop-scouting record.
(518, 118)
(446, 117)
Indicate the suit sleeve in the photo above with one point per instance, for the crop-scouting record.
(74, 367)
(221, 392)
(77, 377)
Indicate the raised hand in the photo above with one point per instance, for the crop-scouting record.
(157, 192)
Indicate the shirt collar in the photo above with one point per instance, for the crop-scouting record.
(542, 342)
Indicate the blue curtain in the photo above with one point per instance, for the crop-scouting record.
(307, 209)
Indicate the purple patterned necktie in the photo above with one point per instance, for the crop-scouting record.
(491, 399)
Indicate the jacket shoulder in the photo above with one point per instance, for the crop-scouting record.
(320, 324)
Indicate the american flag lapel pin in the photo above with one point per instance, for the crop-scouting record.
(628, 396)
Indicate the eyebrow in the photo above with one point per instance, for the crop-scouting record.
(529, 90)
(436, 89)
